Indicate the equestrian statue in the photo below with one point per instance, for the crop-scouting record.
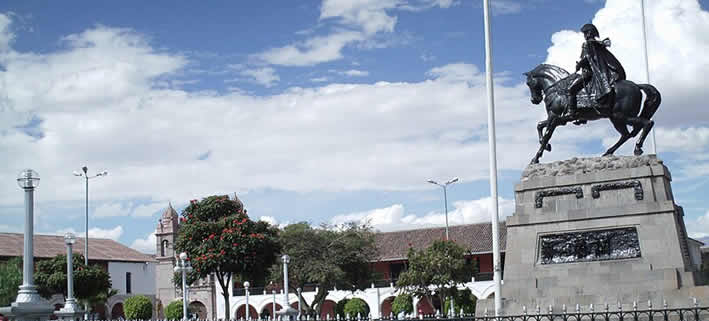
(599, 91)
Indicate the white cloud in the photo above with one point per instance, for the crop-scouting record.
(355, 21)
(96, 232)
(10, 229)
(395, 217)
(505, 6)
(311, 52)
(147, 210)
(354, 73)
(117, 209)
(692, 139)
(6, 35)
(456, 72)
(698, 228)
(146, 245)
(270, 219)
(370, 15)
(263, 76)
(110, 210)
(319, 79)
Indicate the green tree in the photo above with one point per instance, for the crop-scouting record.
(90, 282)
(442, 266)
(402, 303)
(10, 280)
(173, 311)
(328, 257)
(356, 307)
(219, 238)
(138, 307)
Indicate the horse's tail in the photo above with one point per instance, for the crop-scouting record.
(652, 101)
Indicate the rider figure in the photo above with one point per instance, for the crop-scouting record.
(599, 70)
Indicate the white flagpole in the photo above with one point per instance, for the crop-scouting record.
(647, 66)
(493, 159)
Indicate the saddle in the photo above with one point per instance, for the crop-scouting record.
(586, 100)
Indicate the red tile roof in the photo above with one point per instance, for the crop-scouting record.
(48, 246)
(475, 238)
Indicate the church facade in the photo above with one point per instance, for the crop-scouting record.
(201, 296)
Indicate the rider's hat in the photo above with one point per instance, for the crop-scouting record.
(590, 28)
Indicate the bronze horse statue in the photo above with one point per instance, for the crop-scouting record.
(549, 83)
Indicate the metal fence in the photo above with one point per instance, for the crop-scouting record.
(695, 313)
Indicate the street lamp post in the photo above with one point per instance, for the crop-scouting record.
(286, 260)
(445, 197)
(28, 305)
(71, 310)
(299, 290)
(86, 176)
(246, 289)
(274, 305)
(184, 266)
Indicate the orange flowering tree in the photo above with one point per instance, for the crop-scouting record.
(220, 239)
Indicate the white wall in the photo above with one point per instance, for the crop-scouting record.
(373, 296)
(142, 277)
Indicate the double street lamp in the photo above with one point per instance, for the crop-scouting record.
(445, 197)
(87, 177)
(184, 266)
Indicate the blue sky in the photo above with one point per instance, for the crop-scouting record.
(322, 111)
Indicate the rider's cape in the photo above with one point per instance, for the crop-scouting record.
(605, 67)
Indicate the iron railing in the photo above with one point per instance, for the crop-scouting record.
(695, 313)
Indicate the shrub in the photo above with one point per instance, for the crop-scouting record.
(463, 299)
(355, 307)
(340, 308)
(402, 303)
(138, 307)
(173, 311)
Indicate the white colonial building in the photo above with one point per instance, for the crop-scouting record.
(392, 248)
(131, 272)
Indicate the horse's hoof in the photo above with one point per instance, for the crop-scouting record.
(548, 147)
(638, 151)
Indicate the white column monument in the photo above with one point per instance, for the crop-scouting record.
(71, 310)
(28, 305)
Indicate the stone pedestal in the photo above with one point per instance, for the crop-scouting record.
(595, 231)
(28, 311)
(70, 311)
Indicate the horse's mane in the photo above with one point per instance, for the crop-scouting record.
(555, 73)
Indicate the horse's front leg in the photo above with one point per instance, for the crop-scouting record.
(540, 127)
(545, 141)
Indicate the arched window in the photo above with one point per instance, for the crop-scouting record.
(163, 248)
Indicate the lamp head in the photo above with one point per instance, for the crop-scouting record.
(85, 169)
(452, 181)
(285, 258)
(104, 173)
(69, 238)
(432, 181)
(28, 179)
(77, 173)
(183, 256)
(247, 284)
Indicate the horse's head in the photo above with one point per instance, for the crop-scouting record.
(542, 77)
(535, 88)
